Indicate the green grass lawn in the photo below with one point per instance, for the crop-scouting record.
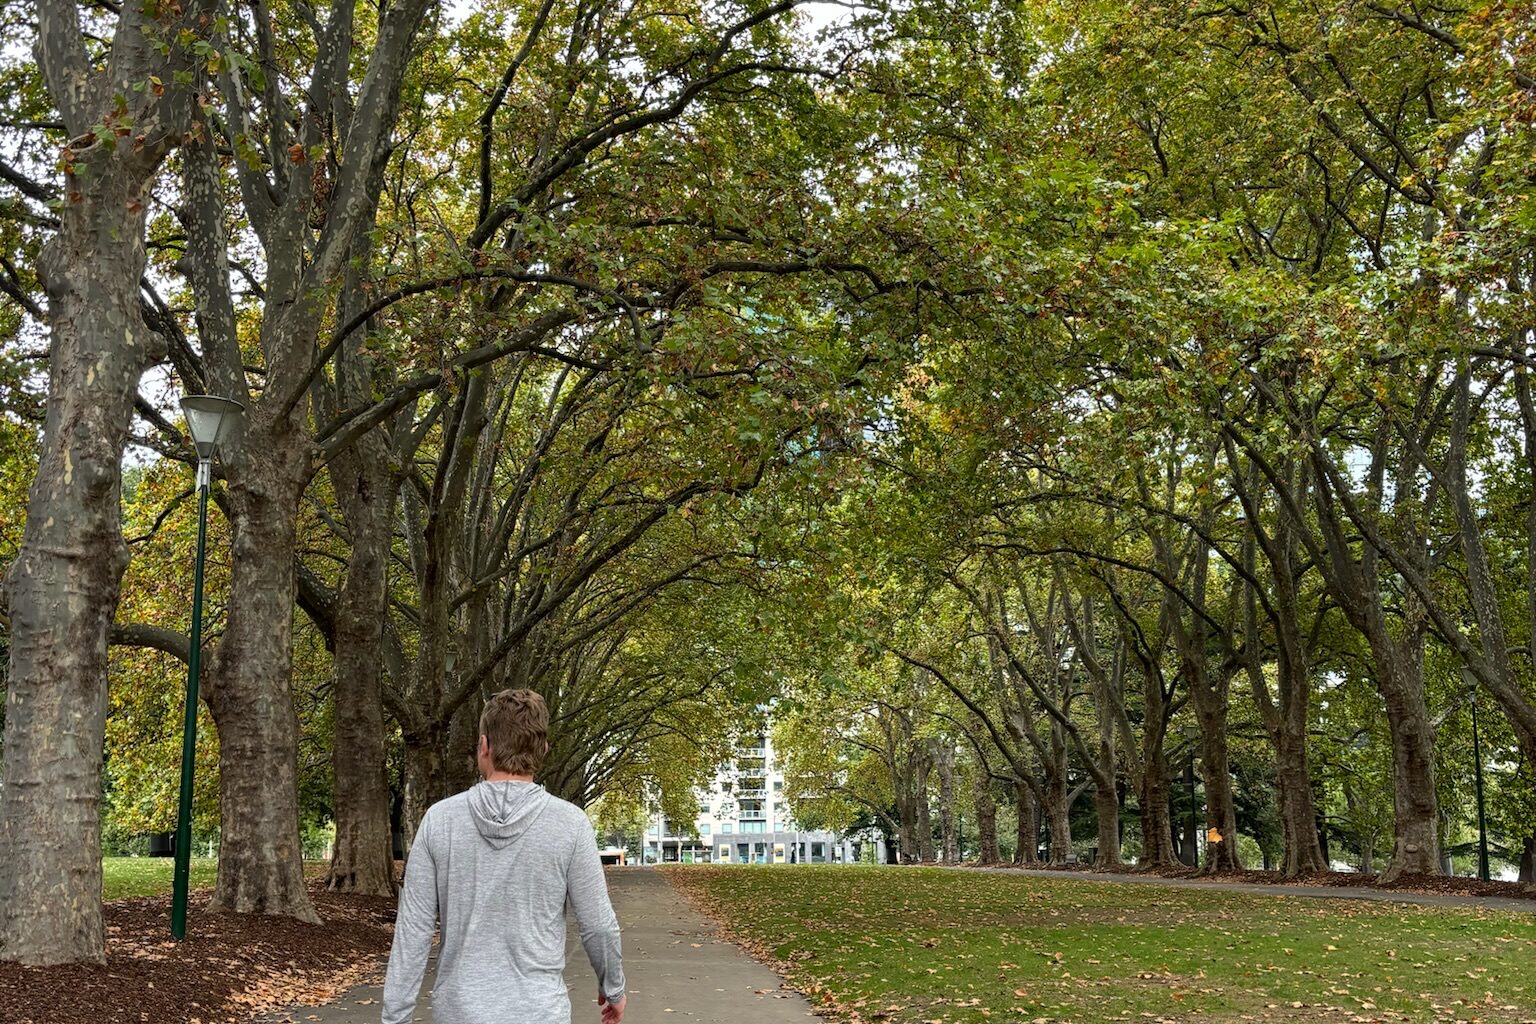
(122, 877)
(915, 945)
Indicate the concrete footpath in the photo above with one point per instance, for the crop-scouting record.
(1327, 892)
(676, 966)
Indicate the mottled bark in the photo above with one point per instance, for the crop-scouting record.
(1027, 832)
(1153, 797)
(1298, 813)
(1416, 813)
(1106, 811)
(1106, 792)
(986, 820)
(62, 590)
(363, 860)
(1058, 815)
(261, 866)
(460, 769)
(1220, 804)
(424, 777)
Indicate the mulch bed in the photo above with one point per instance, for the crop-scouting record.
(1442, 885)
(229, 969)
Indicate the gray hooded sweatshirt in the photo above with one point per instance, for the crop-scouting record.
(497, 866)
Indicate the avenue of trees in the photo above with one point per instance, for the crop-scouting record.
(1031, 402)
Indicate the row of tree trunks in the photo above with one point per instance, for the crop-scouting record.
(306, 239)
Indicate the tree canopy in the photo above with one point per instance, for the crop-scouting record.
(1026, 409)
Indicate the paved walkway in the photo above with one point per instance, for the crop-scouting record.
(676, 967)
(1333, 892)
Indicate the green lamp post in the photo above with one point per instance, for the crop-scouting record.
(211, 421)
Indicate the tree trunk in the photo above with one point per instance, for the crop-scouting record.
(1028, 850)
(1220, 805)
(1528, 861)
(1397, 648)
(1416, 816)
(261, 860)
(925, 822)
(1156, 826)
(986, 820)
(460, 767)
(1058, 816)
(424, 777)
(1298, 813)
(1106, 797)
(62, 590)
(908, 832)
(1106, 809)
(363, 861)
(946, 765)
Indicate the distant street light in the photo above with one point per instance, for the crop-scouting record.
(211, 421)
(1477, 758)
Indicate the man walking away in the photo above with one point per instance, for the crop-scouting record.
(496, 867)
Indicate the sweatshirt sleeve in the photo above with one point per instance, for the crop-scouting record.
(587, 890)
(415, 923)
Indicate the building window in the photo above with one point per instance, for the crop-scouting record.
(725, 829)
(818, 853)
(703, 828)
(754, 826)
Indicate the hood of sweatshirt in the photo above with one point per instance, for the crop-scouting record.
(503, 811)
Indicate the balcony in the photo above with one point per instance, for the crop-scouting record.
(759, 793)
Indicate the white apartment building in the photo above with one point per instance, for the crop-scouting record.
(744, 819)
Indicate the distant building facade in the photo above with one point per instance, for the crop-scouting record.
(744, 819)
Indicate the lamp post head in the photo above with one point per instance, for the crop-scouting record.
(211, 421)
(1469, 680)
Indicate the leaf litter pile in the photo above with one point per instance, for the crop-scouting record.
(909, 945)
(229, 969)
